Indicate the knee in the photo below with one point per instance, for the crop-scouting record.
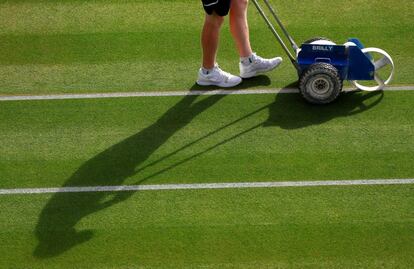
(240, 4)
(214, 21)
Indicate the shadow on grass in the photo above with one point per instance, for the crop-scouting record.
(56, 229)
(261, 80)
(291, 111)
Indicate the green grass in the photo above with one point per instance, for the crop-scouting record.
(333, 227)
(75, 46)
(96, 46)
(208, 139)
(205, 139)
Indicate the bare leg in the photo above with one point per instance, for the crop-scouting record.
(210, 39)
(239, 27)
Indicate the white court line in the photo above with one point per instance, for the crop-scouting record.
(209, 186)
(167, 93)
(141, 94)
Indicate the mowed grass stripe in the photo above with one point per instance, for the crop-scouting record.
(121, 46)
(65, 17)
(205, 139)
(336, 227)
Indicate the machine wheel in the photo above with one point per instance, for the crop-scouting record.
(309, 41)
(384, 60)
(320, 83)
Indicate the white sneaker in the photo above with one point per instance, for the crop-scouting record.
(258, 65)
(217, 77)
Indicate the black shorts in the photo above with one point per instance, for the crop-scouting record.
(220, 7)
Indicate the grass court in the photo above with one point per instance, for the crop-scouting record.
(103, 46)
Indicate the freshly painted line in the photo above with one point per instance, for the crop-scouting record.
(167, 93)
(209, 186)
(142, 94)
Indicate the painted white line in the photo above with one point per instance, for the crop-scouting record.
(167, 93)
(142, 94)
(209, 186)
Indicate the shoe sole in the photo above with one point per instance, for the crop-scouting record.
(255, 73)
(205, 83)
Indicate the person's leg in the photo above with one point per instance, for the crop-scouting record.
(251, 65)
(239, 27)
(210, 39)
(210, 73)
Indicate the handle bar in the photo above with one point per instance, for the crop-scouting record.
(275, 33)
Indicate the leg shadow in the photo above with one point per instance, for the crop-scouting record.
(56, 231)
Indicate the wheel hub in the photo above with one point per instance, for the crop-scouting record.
(320, 85)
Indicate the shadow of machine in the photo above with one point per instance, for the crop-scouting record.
(289, 111)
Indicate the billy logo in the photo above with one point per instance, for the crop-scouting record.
(322, 48)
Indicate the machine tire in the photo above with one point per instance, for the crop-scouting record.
(320, 84)
(316, 39)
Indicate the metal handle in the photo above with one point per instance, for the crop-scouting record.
(289, 37)
(275, 33)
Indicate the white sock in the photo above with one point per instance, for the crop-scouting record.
(206, 71)
(246, 60)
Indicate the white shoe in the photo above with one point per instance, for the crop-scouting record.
(258, 65)
(217, 77)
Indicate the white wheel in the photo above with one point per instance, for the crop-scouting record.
(384, 61)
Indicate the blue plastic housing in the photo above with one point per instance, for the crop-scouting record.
(350, 61)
